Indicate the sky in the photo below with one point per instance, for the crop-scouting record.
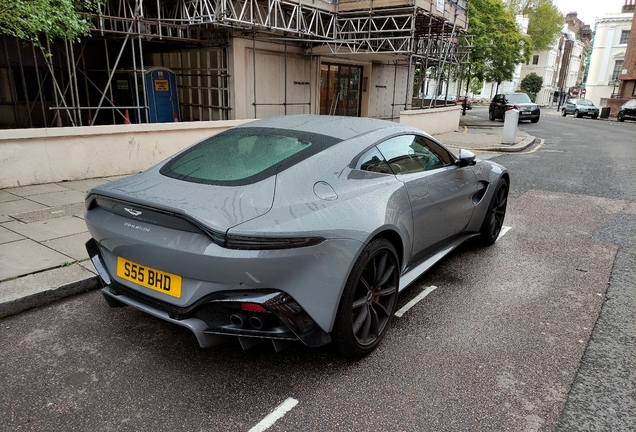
(588, 10)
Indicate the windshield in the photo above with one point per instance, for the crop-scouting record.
(244, 155)
(584, 102)
(518, 98)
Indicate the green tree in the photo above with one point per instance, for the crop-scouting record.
(28, 19)
(545, 21)
(532, 84)
(498, 45)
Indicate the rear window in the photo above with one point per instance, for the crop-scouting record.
(244, 155)
(518, 98)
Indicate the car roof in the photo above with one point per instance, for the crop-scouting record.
(339, 127)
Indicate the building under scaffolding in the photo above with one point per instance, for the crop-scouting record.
(237, 59)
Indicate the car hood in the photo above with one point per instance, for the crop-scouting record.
(217, 207)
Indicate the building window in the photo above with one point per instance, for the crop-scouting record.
(624, 36)
(616, 73)
(535, 59)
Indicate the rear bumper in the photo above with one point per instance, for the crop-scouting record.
(215, 318)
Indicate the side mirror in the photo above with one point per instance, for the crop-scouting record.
(466, 158)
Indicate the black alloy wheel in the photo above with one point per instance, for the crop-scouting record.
(494, 219)
(368, 300)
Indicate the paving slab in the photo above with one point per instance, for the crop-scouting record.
(19, 206)
(43, 288)
(53, 199)
(4, 219)
(26, 256)
(5, 196)
(8, 236)
(83, 185)
(71, 246)
(25, 191)
(48, 229)
(50, 213)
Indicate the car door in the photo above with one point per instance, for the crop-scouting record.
(569, 106)
(439, 191)
(498, 106)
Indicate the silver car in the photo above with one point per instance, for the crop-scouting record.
(298, 228)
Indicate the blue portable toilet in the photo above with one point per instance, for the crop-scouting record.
(163, 99)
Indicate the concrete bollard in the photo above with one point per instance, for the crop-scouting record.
(511, 119)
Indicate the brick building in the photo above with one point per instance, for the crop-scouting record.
(627, 86)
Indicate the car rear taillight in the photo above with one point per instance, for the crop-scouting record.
(253, 307)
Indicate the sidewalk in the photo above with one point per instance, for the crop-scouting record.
(42, 229)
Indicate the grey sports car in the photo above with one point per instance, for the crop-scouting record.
(298, 228)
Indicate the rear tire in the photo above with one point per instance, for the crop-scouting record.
(493, 221)
(368, 300)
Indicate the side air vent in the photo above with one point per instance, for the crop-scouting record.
(482, 187)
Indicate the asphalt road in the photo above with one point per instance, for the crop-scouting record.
(533, 333)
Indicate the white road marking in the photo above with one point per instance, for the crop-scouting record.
(504, 229)
(413, 302)
(271, 418)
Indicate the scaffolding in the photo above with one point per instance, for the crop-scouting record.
(72, 84)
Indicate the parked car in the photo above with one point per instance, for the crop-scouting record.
(297, 228)
(469, 102)
(519, 101)
(627, 111)
(579, 108)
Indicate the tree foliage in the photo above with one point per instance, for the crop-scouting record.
(545, 21)
(27, 19)
(532, 83)
(498, 45)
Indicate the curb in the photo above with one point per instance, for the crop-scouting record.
(46, 297)
(522, 145)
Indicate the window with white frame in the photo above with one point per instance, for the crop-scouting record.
(616, 73)
(624, 37)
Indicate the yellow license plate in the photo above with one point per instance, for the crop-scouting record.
(154, 279)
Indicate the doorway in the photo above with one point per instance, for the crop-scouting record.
(340, 89)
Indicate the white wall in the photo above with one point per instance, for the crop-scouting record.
(35, 156)
(433, 121)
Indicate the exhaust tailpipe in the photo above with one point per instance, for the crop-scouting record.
(240, 319)
(261, 321)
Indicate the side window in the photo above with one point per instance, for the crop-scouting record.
(373, 161)
(408, 154)
(438, 156)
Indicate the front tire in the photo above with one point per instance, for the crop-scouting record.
(535, 120)
(491, 115)
(577, 114)
(563, 113)
(493, 221)
(368, 301)
(620, 117)
(594, 116)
